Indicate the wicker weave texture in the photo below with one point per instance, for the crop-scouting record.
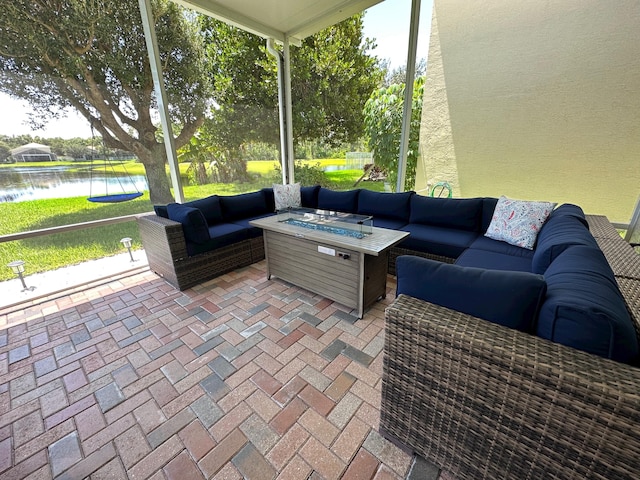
(623, 259)
(484, 401)
(601, 227)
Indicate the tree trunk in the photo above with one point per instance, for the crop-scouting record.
(154, 162)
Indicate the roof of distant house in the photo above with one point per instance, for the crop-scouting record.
(31, 146)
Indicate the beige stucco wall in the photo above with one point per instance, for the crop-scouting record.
(536, 100)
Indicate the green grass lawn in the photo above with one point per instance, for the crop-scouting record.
(58, 250)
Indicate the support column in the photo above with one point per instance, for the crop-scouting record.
(288, 111)
(408, 94)
(148, 23)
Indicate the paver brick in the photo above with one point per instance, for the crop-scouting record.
(363, 467)
(182, 467)
(207, 411)
(89, 422)
(266, 382)
(90, 464)
(252, 465)
(157, 459)
(196, 439)
(261, 436)
(45, 365)
(19, 353)
(64, 453)
(5, 454)
(288, 416)
(132, 446)
(316, 400)
(287, 446)
(149, 415)
(321, 459)
(109, 396)
(172, 426)
(222, 453)
(68, 412)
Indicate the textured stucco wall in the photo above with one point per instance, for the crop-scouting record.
(537, 100)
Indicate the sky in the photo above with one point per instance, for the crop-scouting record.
(387, 22)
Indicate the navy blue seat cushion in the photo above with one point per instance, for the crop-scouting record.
(472, 257)
(584, 308)
(338, 201)
(269, 198)
(309, 196)
(449, 242)
(459, 213)
(491, 245)
(161, 211)
(488, 207)
(221, 235)
(252, 232)
(210, 207)
(556, 235)
(570, 210)
(245, 205)
(511, 299)
(382, 222)
(385, 205)
(193, 222)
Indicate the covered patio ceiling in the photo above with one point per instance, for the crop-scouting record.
(280, 19)
(287, 22)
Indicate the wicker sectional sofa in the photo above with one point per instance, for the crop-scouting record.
(186, 252)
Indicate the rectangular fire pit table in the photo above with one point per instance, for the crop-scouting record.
(326, 260)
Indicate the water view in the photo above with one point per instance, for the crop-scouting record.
(19, 184)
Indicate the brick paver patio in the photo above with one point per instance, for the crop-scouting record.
(237, 378)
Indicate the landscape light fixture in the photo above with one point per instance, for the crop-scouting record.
(18, 268)
(126, 241)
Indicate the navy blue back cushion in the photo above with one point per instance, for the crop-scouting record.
(584, 308)
(490, 245)
(385, 205)
(462, 213)
(210, 207)
(161, 211)
(193, 222)
(269, 198)
(309, 196)
(488, 207)
(338, 201)
(570, 210)
(449, 242)
(511, 299)
(474, 257)
(556, 235)
(236, 207)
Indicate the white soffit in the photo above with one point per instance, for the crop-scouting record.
(280, 19)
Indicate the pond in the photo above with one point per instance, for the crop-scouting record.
(19, 184)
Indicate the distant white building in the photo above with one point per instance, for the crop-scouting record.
(33, 152)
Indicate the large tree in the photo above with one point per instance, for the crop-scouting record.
(91, 56)
(332, 76)
(383, 119)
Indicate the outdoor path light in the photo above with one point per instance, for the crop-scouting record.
(126, 241)
(18, 268)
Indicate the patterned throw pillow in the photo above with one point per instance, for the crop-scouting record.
(286, 196)
(518, 222)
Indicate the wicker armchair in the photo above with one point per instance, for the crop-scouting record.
(484, 401)
(166, 250)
